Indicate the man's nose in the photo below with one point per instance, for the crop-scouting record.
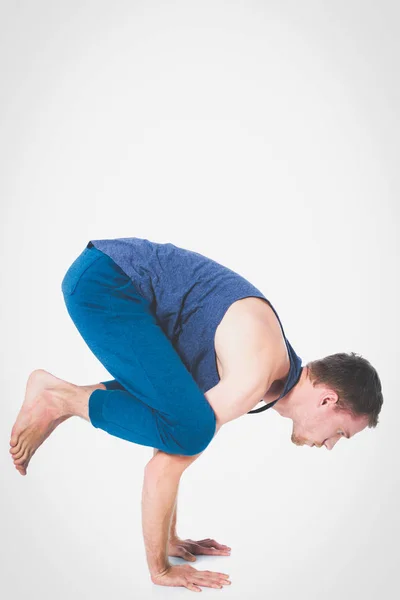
(330, 444)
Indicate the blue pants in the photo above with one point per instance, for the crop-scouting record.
(153, 400)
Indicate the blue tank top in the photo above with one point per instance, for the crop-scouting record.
(189, 294)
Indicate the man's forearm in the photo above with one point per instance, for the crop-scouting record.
(159, 504)
(172, 531)
(160, 487)
(185, 461)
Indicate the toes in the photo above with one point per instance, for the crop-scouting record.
(20, 451)
(17, 446)
(27, 461)
(14, 435)
(14, 447)
(22, 459)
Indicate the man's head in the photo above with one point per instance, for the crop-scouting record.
(336, 396)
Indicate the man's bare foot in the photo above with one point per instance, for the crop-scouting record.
(45, 406)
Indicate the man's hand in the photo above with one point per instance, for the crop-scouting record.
(187, 549)
(189, 577)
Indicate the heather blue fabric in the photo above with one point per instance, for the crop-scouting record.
(149, 312)
(189, 294)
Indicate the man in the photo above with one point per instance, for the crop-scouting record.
(192, 345)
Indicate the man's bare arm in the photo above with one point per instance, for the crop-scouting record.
(160, 488)
(247, 354)
(173, 529)
(237, 393)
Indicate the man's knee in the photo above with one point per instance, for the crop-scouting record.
(199, 431)
(194, 433)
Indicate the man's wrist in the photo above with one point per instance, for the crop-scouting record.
(159, 572)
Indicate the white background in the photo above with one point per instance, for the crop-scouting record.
(263, 135)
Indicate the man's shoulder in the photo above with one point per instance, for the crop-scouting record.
(250, 316)
(249, 334)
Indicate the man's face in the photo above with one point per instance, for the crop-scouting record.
(318, 423)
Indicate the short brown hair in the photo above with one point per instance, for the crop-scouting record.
(355, 381)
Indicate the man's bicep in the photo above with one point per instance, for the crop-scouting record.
(247, 356)
(237, 393)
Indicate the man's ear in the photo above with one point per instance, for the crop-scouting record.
(329, 397)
